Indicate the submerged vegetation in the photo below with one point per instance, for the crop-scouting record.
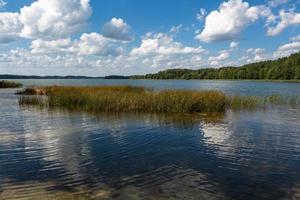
(287, 68)
(253, 102)
(139, 99)
(9, 84)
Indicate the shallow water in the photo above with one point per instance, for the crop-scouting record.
(62, 155)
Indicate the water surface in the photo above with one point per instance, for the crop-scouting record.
(62, 155)
(257, 88)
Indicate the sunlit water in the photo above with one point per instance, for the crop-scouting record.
(61, 155)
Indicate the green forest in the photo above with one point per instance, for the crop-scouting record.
(287, 68)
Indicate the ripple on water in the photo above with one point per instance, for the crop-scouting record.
(60, 155)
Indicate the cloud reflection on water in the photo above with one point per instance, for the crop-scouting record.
(127, 156)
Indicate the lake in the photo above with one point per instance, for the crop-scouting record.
(230, 87)
(71, 155)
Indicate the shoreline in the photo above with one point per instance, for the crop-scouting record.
(246, 80)
(96, 78)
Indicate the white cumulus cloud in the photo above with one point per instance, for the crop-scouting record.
(52, 46)
(230, 20)
(117, 29)
(233, 45)
(287, 49)
(89, 44)
(223, 55)
(287, 18)
(96, 44)
(54, 19)
(161, 43)
(258, 54)
(10, 27)
(295, 38)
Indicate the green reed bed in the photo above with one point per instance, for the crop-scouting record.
(139, 99)
(9, 84)
(128, 99)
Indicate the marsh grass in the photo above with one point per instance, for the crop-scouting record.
(36, 100)
(138, 99)
(9, 84)
(129, 99)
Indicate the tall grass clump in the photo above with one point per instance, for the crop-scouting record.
(139, 99)
(130, 99)
(33, 100)
(9, 84)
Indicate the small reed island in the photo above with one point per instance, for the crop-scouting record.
(140, 99)
(9, 84)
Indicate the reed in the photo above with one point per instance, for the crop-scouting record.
(9, 84)
(139, 99)
(129, 99)
(36, 100)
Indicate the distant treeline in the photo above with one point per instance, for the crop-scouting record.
(10, 76)
(287, 68)
(116, 77)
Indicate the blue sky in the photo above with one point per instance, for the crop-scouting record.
(97, 37)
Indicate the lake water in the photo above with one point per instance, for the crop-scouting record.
(240, 155)
(229, 87)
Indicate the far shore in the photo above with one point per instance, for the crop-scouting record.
(129, 78)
